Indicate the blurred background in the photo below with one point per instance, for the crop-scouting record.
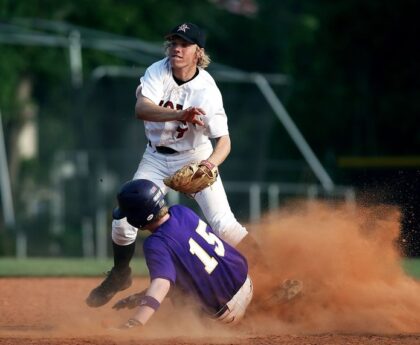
(321, 96)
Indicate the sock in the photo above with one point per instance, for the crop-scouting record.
(123, 255)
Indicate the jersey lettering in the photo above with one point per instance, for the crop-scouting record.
(210, 238)
(183, 127)
(208, 261)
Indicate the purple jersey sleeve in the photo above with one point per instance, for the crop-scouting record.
(158, 260)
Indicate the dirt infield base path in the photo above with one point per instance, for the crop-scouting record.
(51, 311)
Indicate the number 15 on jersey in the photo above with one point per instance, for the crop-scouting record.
(208, 261)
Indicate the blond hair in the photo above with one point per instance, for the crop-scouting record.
(162, 212)
(203, 59)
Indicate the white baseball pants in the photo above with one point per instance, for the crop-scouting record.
(213, 201)
(238, 304)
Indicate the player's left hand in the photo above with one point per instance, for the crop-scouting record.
(192, 178)
(129, 302)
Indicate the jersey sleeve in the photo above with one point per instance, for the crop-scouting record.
(158, 260)
(151, 83)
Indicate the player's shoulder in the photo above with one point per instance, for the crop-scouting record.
(159, 67)
(180, 209)
(206, 84)
(183, 214)
(206, 77)
(153, 243)
(149, 243)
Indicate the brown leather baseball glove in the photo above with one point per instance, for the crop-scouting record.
(193, 178)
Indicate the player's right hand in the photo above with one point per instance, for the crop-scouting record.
(131, 323)
(193, 115)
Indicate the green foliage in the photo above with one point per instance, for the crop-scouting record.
(354, 69)
(11, 67)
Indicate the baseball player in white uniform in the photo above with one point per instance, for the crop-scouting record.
(182, 109)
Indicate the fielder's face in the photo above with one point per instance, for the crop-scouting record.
(182, 54)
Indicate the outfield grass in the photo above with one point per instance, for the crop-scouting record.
(68, 267)
(412, 267)
(55, 267)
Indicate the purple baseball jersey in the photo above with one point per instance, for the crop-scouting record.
(186, 251)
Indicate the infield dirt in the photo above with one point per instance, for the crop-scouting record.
(355, 291)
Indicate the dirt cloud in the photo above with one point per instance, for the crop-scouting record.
(349, 261)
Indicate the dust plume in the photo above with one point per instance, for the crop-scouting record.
(349, 261)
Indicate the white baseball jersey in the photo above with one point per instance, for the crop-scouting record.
(159, 86)
(192, 143)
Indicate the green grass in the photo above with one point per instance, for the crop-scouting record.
(65, 267)
(68, 267)
(412, 267)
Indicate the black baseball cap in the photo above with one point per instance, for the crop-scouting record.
(189, 32)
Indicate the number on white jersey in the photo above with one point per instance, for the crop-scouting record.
(208, 261)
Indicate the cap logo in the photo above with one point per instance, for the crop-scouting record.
(183, 27)
(150, 217)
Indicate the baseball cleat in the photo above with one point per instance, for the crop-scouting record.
(288, 290)
(114, 282)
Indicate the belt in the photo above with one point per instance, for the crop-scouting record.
(164, 149)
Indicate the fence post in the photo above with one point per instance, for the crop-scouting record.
(273, 197)
(7, 199)
(255, 202)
